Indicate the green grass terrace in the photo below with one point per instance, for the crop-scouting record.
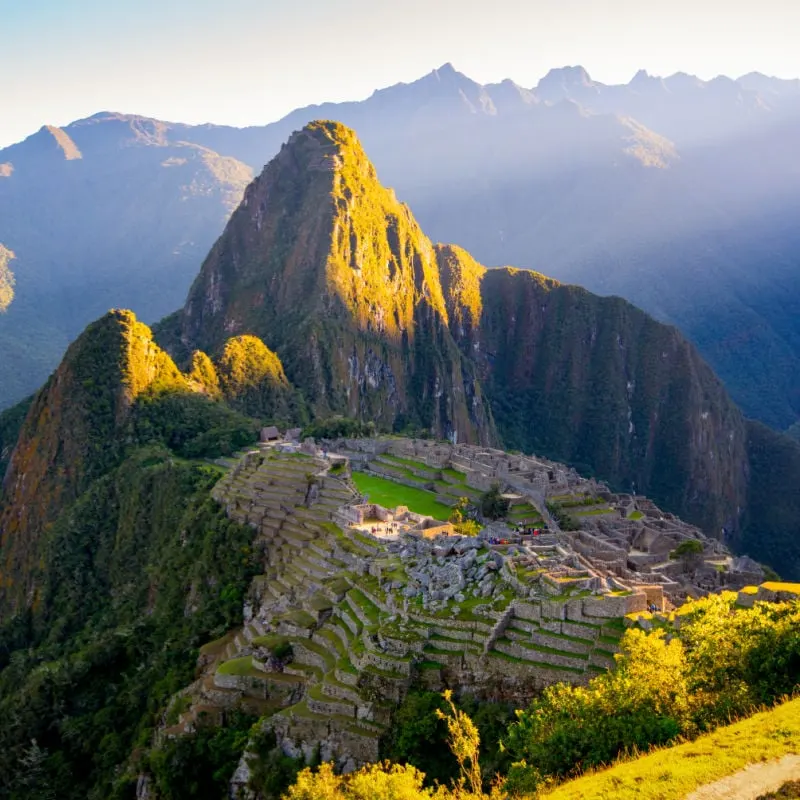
(390, 495)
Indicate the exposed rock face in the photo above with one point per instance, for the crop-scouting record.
(331, 271)
(6, 278)
(369, 319)
(71, 435)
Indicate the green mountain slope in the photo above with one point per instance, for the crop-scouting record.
(72, 435)
(597, 383)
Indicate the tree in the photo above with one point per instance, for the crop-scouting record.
(464, 742)
(493, 505)
(644, 702)
(690, 552)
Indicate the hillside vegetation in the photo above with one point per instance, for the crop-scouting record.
(133, 576)
(679, 770)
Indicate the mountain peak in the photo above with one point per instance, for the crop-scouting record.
(68, 435)
(644, 80)
(447, 69)
(569, 75)
(332, 273)
(562, 82)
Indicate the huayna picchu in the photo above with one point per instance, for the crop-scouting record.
(467, 479)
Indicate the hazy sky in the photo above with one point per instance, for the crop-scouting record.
(251, 61)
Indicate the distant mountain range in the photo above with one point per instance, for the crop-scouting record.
(676, 193)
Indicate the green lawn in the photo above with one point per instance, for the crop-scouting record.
(390, 494)
(408, 462)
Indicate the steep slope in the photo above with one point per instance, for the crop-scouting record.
(597, 383)
(325, 266)
(109, 212)
(72, 435)
(132, 577)
(368, 318)
(771, 530)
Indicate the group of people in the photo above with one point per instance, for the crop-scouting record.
(389, 527)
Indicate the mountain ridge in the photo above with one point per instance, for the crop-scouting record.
(637, 208)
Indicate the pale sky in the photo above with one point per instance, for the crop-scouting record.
(245, 62)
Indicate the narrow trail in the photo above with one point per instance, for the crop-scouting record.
(752, 781)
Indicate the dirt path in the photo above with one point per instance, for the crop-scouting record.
(750, 782)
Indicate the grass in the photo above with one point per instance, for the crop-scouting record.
(540, 648)
(677, 771)
(337, 585)
(408, 462)
(270, 640)
(302, 619)
(320, 603)
(562, 598)
(218, 645)
(369, 609)
(243, 667)
(636, 515)
(390, 494)
(344, 665)
(531, 663)
(335, 641)
(455, 474)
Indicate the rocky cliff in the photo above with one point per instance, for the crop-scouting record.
(598, 383)
(333, 273)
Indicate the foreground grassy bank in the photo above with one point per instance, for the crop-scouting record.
(676, 771)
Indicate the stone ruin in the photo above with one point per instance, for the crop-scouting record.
(622, 538)
(341, 623)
